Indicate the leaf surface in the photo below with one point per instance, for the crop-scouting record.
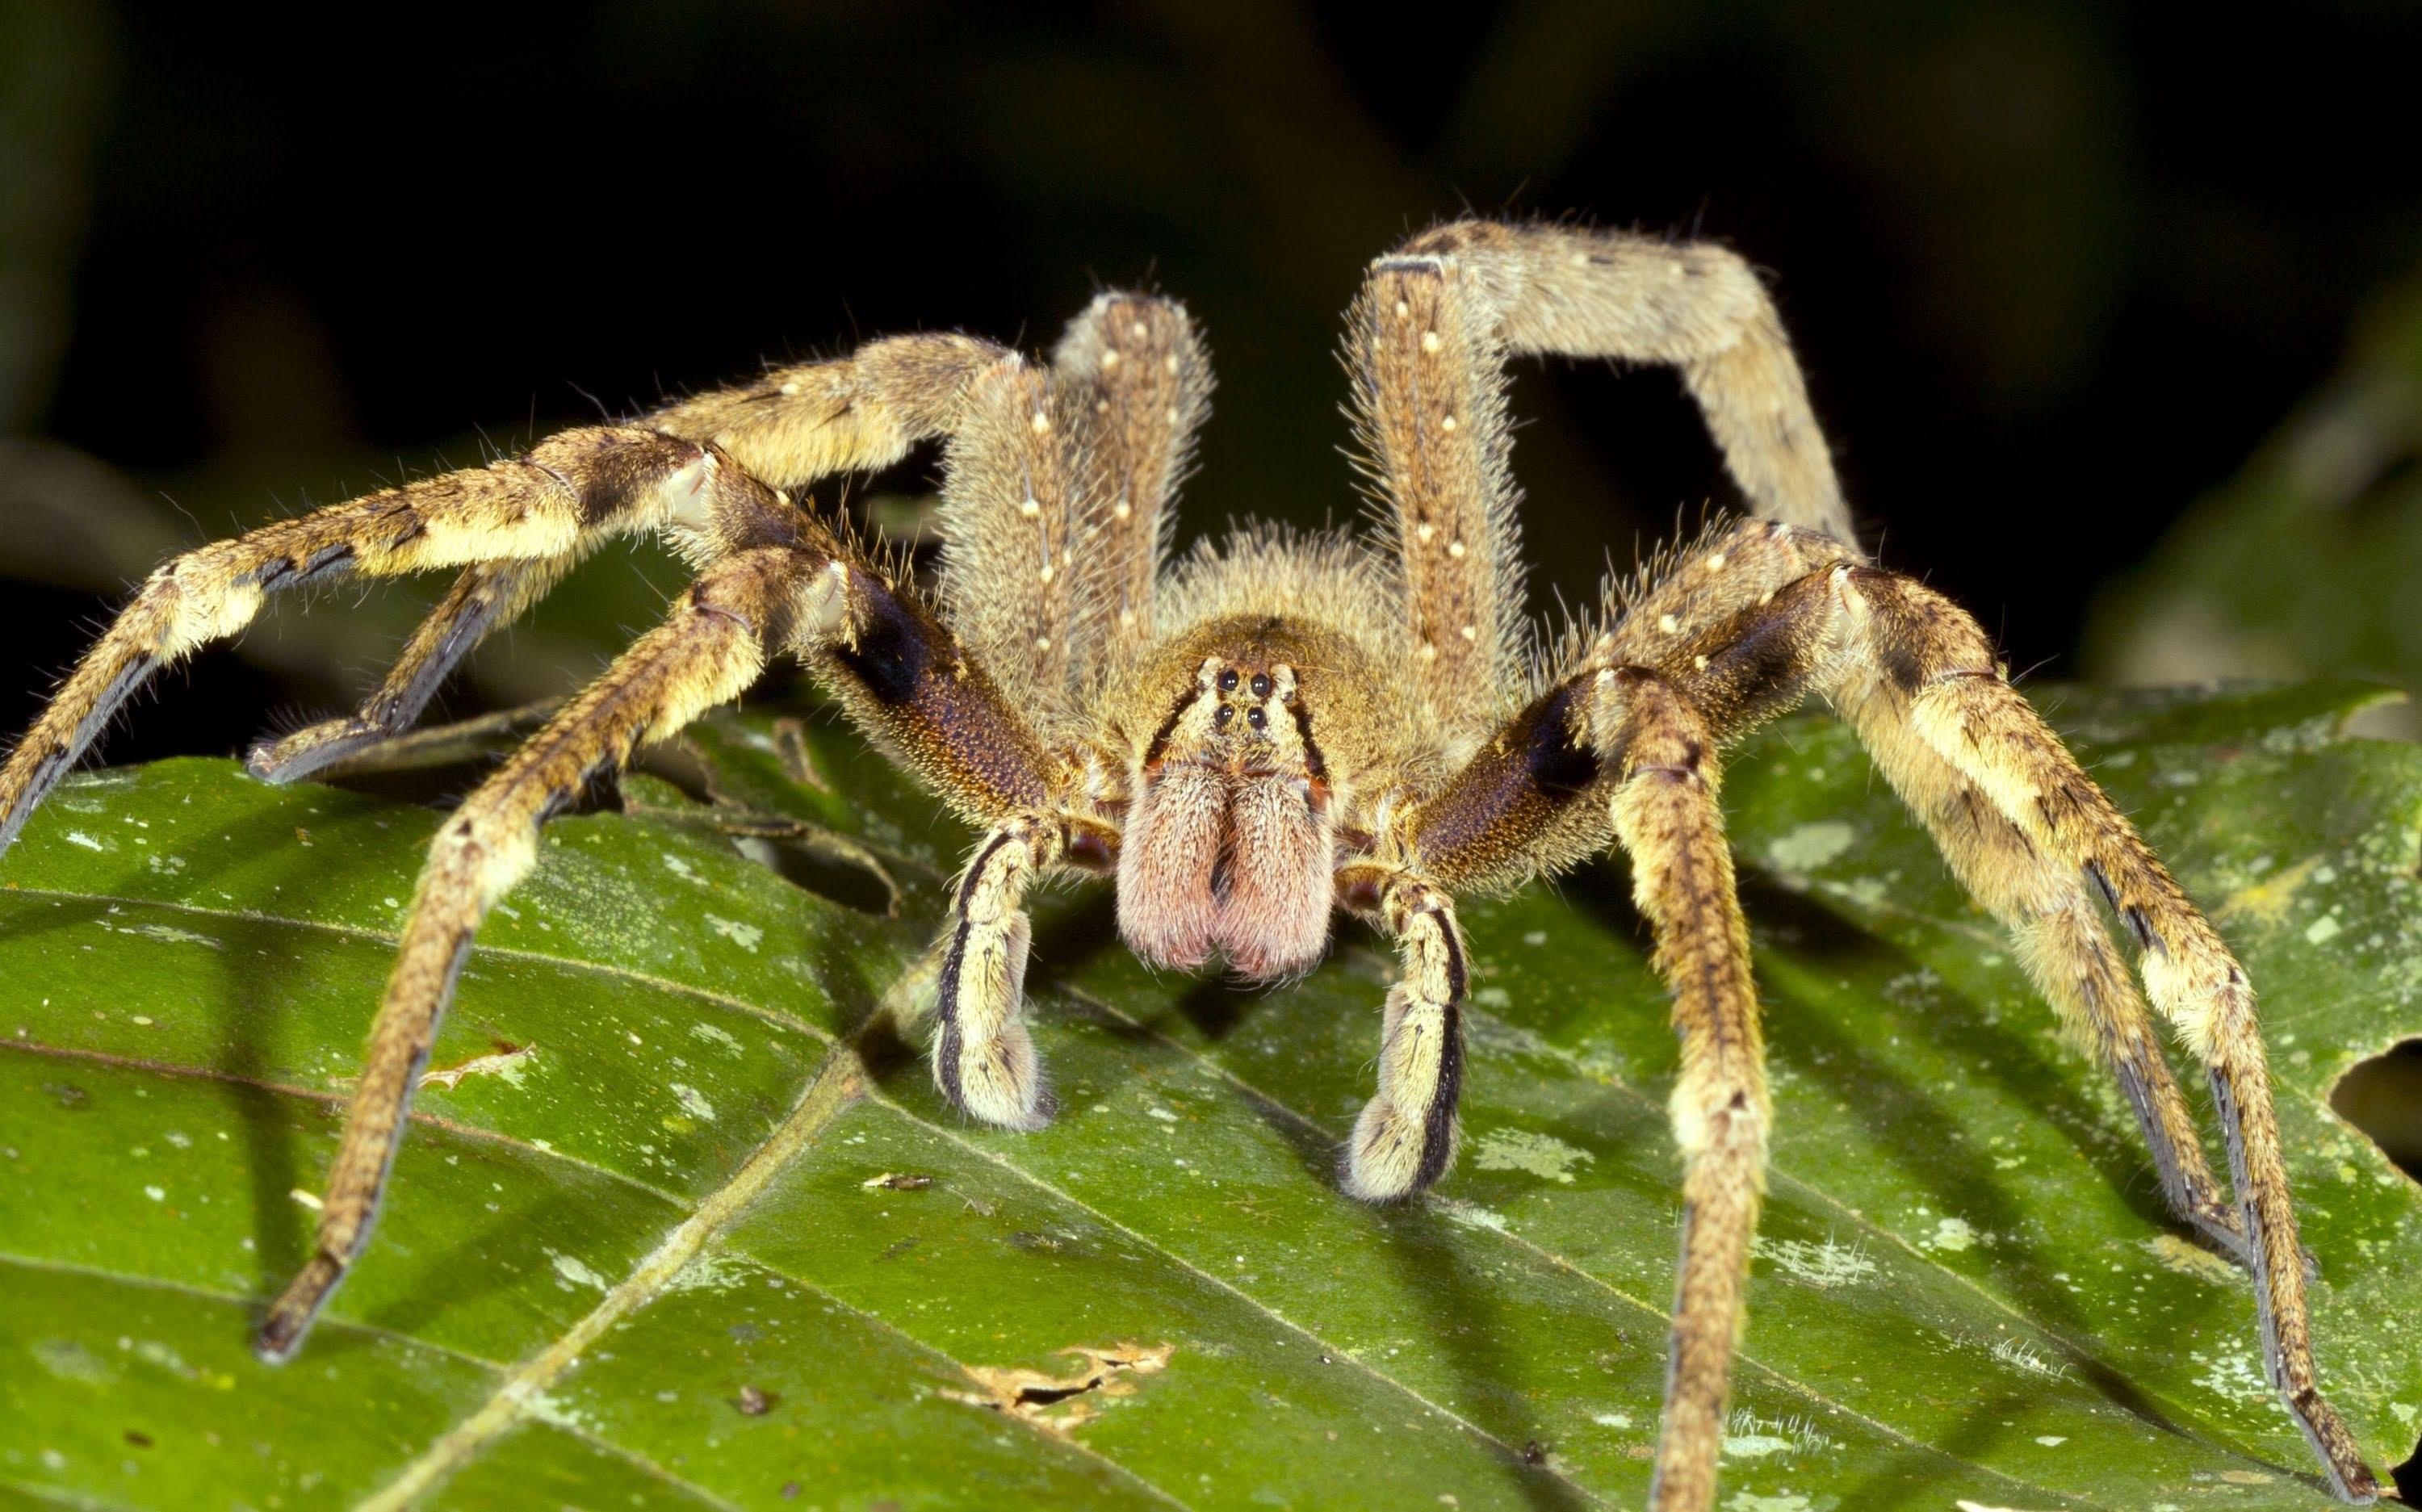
(646, 1245)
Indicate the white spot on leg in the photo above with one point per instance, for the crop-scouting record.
(1430, 341)
(1455, 549)
(1031, 508)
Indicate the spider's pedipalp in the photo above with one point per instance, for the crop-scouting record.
(1406, 1136)
(984, 1054)
(537, 506)
(1666, 815)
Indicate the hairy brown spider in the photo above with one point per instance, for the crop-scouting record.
(1279, 725)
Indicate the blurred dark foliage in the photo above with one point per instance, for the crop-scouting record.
(2054, 268)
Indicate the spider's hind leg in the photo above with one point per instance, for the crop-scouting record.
(709, 649)
(487, 595)
(1916, 677)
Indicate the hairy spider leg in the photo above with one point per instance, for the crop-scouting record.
(1426, 345)
(779, 580)
(1668, 821)
(795, 424)
(532, 507)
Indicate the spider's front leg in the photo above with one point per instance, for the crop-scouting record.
(537, 506)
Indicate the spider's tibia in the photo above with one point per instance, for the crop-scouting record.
(289, 1318)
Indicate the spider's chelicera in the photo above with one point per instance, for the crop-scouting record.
(1277, 726)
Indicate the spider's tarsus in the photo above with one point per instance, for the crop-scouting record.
(289, 1318)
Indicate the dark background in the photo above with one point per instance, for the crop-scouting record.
(2055, 269)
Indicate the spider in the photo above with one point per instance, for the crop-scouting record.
(1279, 725)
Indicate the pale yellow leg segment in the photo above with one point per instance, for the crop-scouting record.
(1134, 377)
(533, 507)
(2041, 896)
(1667, 818)
(1914, 659)
(984, 1054)
(711, 648)
(1693, 305)
(851, 414)
(1405, 1137)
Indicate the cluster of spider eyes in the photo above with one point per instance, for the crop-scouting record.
(1256, 717)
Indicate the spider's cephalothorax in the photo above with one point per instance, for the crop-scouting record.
(1278, 726)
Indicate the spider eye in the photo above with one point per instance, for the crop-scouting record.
(1261, 685)
(1228, 681)
(1256, 717)
(1227, 712)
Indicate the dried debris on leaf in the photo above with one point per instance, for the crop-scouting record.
(1058, 1404)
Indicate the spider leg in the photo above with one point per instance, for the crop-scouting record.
(1666, 815)
(1916, 677)
(2067, 949)
(848, 413)
(1405, 1137)
(1426, 346)
(1922, 673)
(1132, 373)
(1694, 306)
(776, 579)
(487, 594)
(535, 506)
(709, 649)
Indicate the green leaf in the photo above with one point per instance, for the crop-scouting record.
(647, 1244)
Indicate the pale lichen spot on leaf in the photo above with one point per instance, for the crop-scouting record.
(1825, 1264)
(1811, 845)
(1541, 1155)
(2188, 1259)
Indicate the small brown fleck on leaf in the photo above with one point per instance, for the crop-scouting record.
(755, 1402)
(897, 1181)
(138, 1437)
(1535, 1452)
